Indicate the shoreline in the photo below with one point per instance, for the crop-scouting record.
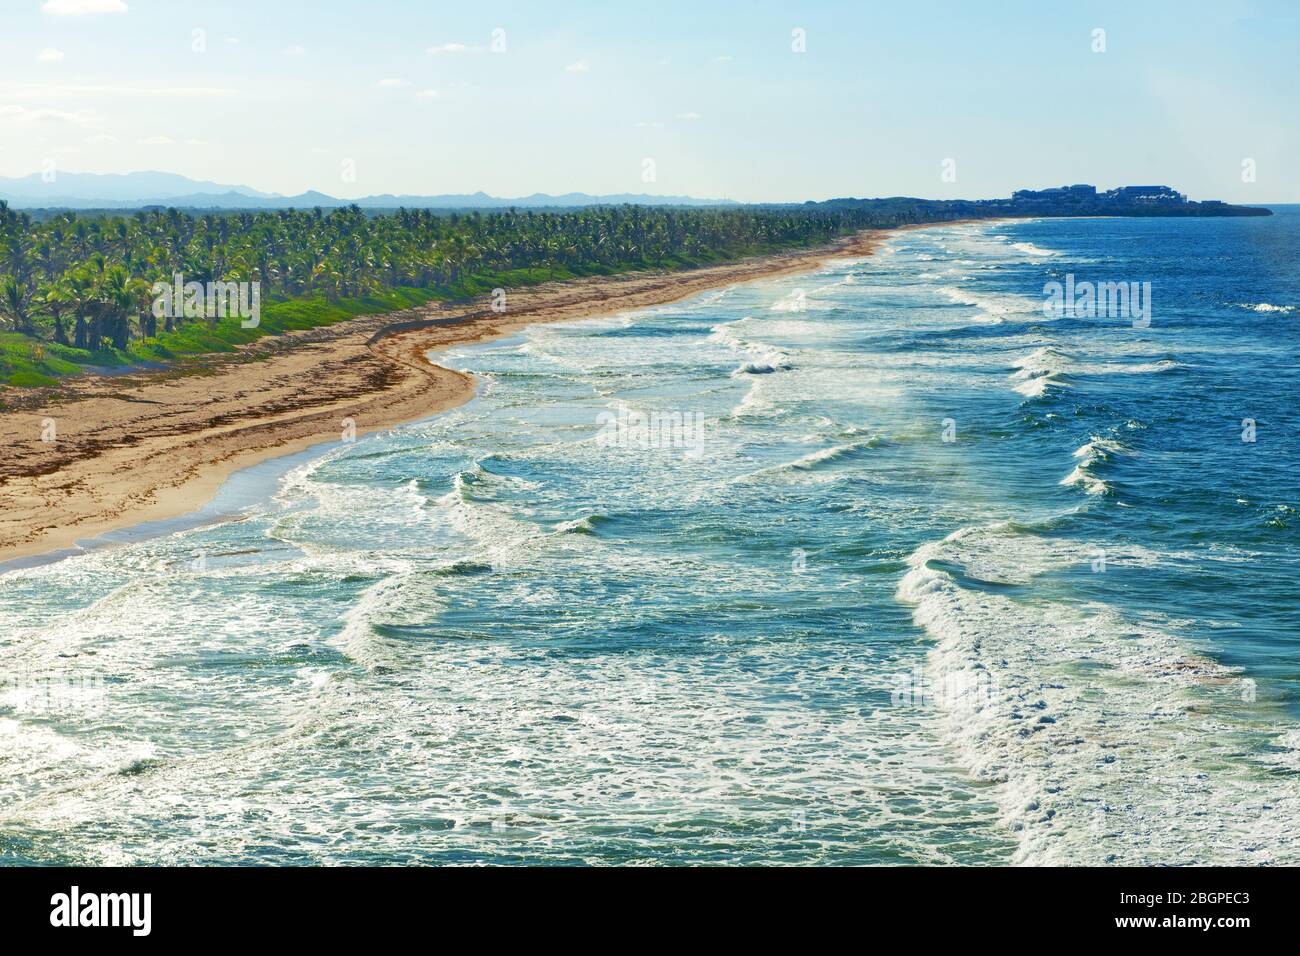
(117, 461)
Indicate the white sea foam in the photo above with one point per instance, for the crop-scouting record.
(993, 307)
(765, 359)
(774, 362)
(1090, 483)
(1039, 370)
(800, 300)
(726, 335)
(1093, 452)
(1033, 250)
(1101, 449)
(755, 402)
(1084, 712)
(1048, 367)
(1268, 307)
(358, 638)
(812, 461)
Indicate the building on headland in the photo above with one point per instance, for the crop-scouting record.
(1145, 194)
(1079, 191)
(1080, 199)
(1084, 193)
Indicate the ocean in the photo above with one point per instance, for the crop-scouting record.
(881, 564)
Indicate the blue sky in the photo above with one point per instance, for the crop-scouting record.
(410, 97)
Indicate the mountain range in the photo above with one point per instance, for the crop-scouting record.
(133, 190)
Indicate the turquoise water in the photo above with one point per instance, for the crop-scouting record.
(905, 572)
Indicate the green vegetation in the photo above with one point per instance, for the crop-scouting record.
(76, 292)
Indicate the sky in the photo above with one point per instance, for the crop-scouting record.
(753, 101)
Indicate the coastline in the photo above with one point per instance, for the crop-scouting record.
(119, 461)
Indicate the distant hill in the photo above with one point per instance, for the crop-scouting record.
(92, 191)
(133, 190)
(113, 188)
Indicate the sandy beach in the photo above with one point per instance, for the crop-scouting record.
(153, 445)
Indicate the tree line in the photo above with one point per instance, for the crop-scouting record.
(87, 280)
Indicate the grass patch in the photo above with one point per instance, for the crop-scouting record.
(25, 362)
(278, 316)
(28, 363)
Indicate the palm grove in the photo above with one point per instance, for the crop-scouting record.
(86, 282)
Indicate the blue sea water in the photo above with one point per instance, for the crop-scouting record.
(905, 571)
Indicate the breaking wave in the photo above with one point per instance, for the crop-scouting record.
(1073, 711)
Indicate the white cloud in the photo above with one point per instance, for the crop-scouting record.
(20, 114)
(80, 8)
(157, 141)
(102, 139)
(294, 50)
(427, 94)
(29, 91)
(581, 66)
(723, 59)
(689, 116)
(449, 48)
(392, 83)
(50, 55)
(644, 124)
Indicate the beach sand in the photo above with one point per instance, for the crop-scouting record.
(154, 445)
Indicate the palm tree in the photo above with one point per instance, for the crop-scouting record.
(13, 302)
(116, 301)
(54, 298)
(79, 289)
